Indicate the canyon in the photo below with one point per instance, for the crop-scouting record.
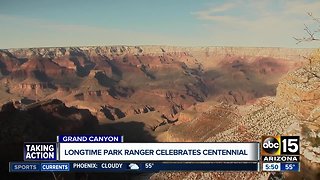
(163, 94)
(117, 82)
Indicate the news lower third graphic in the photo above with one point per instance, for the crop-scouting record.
(280, 145)
(109, 153)
(40, 151)
(280, 153)
(89, 139)
(158, 152)
(129, 167)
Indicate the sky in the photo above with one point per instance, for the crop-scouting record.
(249, 23)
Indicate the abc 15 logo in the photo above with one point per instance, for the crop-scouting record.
(280, 145)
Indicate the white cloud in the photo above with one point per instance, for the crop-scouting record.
(209, 13)
(300, 7)
(259, 22)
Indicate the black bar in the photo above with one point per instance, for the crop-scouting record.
(129, 167)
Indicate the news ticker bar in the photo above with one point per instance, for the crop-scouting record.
(128, 167)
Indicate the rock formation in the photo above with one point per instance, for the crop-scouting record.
(168, 79)
(164, 93)
(293, 111)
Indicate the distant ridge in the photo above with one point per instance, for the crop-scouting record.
(277, 52)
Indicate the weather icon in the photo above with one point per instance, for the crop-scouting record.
(133, 166)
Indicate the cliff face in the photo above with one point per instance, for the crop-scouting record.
(42, 121)
(128, 78)
(293, 111)
(299, 90)
(166, 93)
(284, 53)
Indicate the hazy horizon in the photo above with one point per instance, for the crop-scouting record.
(119, 45)
(240, 23)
